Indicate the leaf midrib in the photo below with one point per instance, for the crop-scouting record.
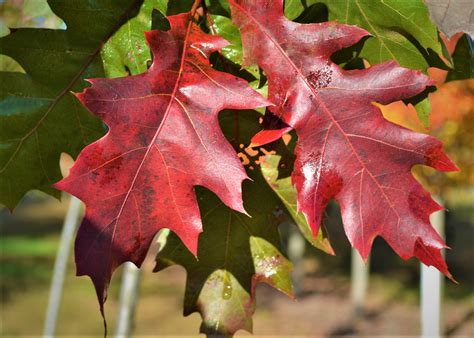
(158, 131)
(322, 104)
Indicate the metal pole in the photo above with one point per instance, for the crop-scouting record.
(128, 300)
(60, 266)
(359, 282)
(431, 285)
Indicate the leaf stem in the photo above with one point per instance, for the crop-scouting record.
(208, 18)
(195, 7)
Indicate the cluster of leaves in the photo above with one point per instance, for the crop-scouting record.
(161, 72)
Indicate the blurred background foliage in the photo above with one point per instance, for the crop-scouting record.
(29, 239)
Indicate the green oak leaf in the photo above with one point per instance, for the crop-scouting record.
(234, 253)
(287, 193)
(220, 7)
(423, 109)
(294, 8)
(392, 23)
(178, 6)
(463, 60)
(39, 116)
(127, 52)
(224, 27)
(159, 21)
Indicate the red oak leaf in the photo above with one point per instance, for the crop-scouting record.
(346, 150)
(164, 139)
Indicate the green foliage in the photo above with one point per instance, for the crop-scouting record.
(224, 27)
(401, 30)
(423, 109)
(463, 60)
(220, 7)
(39, 116)
(126, 52)
(234, 253)
(287, 194)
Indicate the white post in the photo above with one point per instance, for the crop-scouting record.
(359, 282)
(431, 289)
(129, 292)
(296, 248)
(60, 266)
(128, 300)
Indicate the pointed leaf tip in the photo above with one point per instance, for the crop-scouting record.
(139, 178)
(346, 150)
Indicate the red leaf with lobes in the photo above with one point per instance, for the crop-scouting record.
(346, 150)
(164, 139)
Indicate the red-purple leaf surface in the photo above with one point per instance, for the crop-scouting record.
(164, 139)
(346, 150)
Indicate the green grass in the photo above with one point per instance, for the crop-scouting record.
(19, 247)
